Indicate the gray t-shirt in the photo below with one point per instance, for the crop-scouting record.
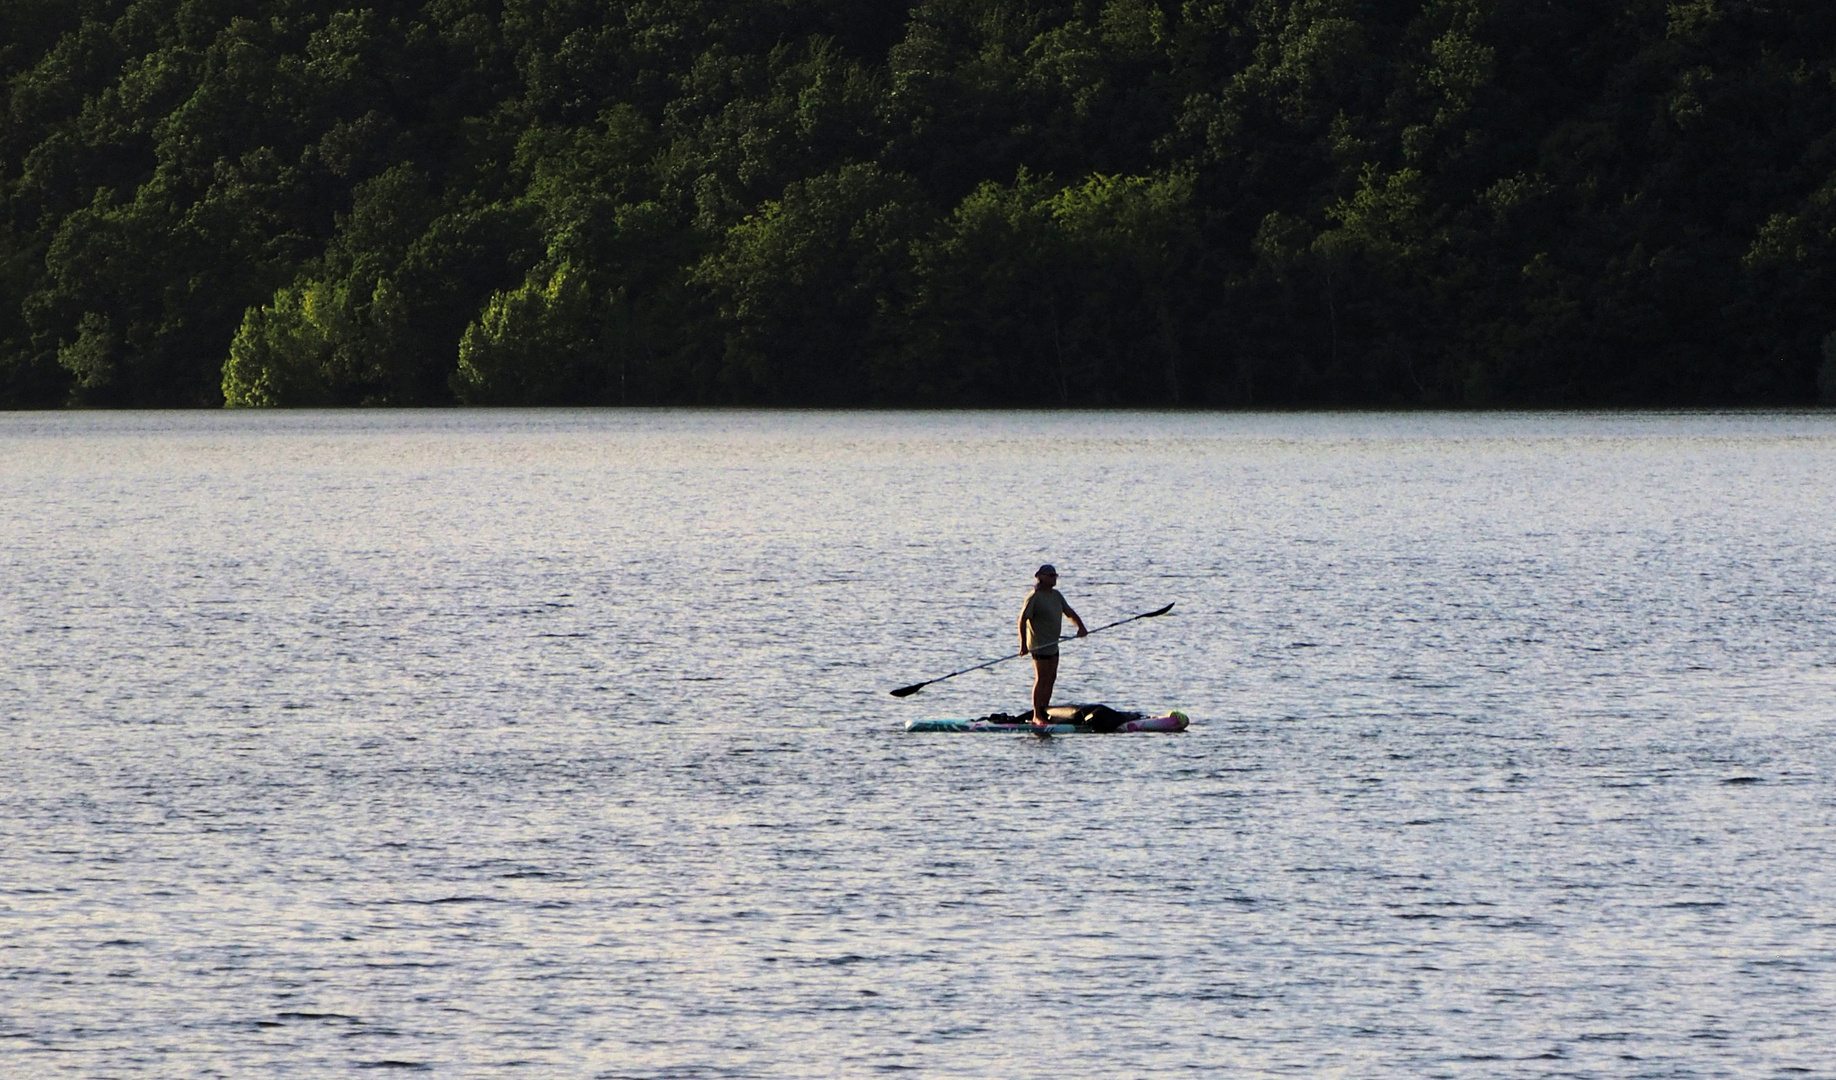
(1045, 620)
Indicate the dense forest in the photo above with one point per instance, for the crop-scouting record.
(1221, 203)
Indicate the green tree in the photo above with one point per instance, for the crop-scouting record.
(1258, 201)
(806, 285)
(1031, 293)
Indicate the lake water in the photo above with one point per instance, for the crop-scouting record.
(559, 744)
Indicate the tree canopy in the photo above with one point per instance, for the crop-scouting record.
(1217, 203)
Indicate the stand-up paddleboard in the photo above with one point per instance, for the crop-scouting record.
(1065, 720)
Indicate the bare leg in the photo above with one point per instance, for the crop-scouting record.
(1045, 671)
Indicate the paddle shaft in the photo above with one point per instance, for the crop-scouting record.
(907, 691)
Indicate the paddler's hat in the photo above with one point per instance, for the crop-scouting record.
(1048, 568)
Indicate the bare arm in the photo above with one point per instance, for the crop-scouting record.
(1072, 615)
(1028, 606)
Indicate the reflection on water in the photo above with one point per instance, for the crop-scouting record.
(558, 743)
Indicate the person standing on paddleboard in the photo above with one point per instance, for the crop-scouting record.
(1042, 623)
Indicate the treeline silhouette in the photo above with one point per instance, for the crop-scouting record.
(954, 202)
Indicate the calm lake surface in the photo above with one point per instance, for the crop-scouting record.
(559, 744)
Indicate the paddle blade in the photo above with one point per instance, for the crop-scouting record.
(908, 691)
(1162, 611)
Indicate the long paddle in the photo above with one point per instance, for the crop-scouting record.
(908, 691)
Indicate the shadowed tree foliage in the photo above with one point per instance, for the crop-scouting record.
(943, 202)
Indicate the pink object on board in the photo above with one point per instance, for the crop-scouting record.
(1176, 721)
